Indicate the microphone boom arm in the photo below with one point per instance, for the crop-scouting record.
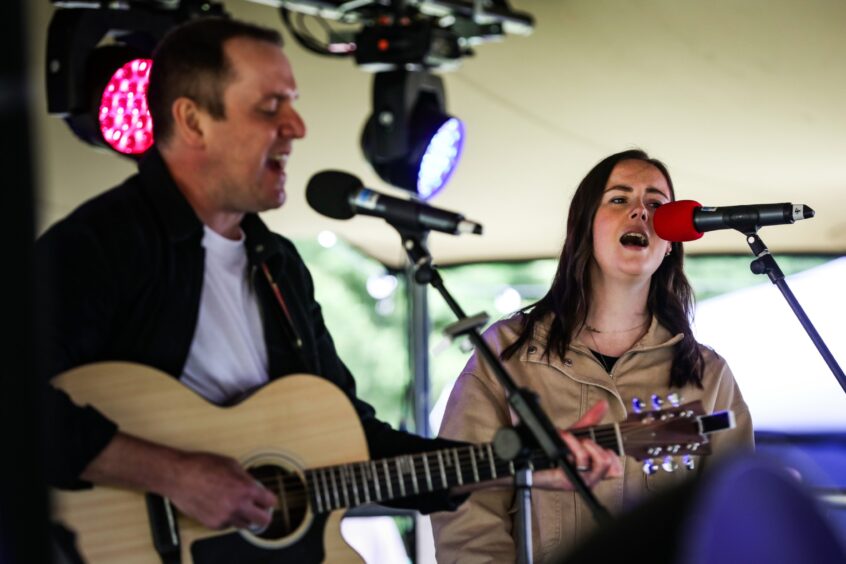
(765, 263)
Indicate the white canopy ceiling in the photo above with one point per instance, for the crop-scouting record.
(742, 100)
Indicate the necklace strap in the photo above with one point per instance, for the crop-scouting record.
(607, 362)
(598, 354)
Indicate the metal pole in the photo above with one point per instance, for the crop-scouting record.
(523, 483)
(418, 358)
(418, 351)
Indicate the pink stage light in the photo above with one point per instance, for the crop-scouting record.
(124, 117)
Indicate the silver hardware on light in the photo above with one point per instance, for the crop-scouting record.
(674, 399)
(654, 451)
(657, 402)
(637, 405)
(688, 462)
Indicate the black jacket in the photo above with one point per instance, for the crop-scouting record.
(120, 279)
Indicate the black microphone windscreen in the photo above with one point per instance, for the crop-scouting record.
(328, 193)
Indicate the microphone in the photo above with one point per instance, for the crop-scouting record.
(341, 195)
(686, 220)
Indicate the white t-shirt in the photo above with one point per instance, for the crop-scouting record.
(228, 356)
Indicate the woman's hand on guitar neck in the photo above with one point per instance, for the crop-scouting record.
(593, 462)
(214, 490)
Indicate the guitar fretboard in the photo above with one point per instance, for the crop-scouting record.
(349, 485)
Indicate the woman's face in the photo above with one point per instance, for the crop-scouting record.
(624, 242)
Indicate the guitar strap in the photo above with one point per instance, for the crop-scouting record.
(289, 327)
(164, 529)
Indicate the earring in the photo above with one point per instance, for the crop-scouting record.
(669, 250)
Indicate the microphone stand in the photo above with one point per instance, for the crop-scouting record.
(524, 402)
(766, 263)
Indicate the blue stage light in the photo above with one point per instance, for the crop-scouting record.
(410, 141)
(441, 158)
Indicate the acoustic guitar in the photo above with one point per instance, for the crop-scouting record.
(301, 437)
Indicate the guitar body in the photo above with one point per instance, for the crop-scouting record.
(297, 421)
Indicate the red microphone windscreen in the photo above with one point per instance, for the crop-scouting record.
(674, 221)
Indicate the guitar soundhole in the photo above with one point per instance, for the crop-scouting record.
(293, 499)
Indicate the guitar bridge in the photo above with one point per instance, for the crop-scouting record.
(163, 528)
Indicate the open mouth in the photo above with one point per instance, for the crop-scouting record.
(634, 239)
(276, 163)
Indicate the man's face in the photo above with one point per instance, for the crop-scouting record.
(248, 149)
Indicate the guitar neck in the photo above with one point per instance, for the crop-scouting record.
(349, 485)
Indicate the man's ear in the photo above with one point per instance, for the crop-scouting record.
(187, 121)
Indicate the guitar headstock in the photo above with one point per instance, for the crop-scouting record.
(659, 435)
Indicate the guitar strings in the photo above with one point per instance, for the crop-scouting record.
(604, 437)
(293, 483)
(473, 460)
(297, 493)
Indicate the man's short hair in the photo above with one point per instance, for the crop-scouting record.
(190, 62)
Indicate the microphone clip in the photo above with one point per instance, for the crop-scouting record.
(414, 243)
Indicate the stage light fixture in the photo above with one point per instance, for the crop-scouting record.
(125, 121)
(98, 64)
(409, 139)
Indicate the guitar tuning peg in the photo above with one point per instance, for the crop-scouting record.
(657, 402)
(637, 405)
(688, 462)
(669, 465)
(675, 399)
(649, 467)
